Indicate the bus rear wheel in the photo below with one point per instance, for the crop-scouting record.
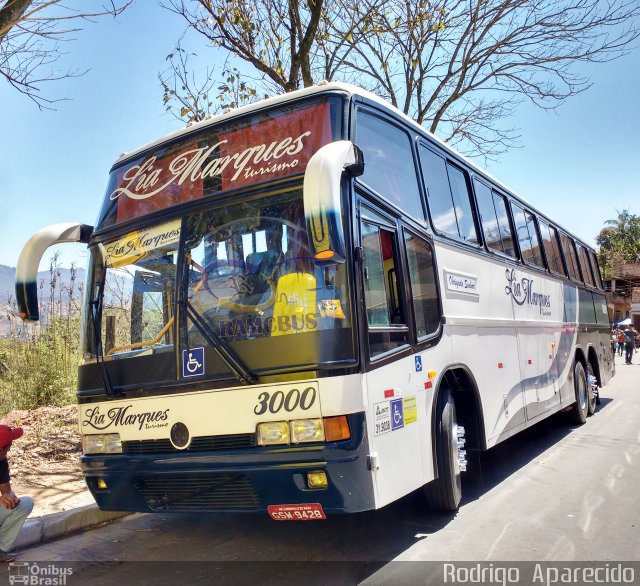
(581, 406)
(445, 492)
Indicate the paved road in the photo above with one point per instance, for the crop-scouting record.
(555, 492)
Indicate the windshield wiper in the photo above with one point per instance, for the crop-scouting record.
(96, 307)
(228, 357)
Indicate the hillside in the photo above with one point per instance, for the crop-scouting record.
(7, 291)
(7, 283)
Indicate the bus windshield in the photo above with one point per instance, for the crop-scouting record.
(252, 282)
(134, 287)
(249, 288)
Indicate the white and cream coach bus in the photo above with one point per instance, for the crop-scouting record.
(310, 306)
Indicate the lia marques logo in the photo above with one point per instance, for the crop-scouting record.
(522, 291)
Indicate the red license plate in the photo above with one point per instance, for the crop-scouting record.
(306, 512)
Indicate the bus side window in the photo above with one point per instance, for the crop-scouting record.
(595, 269)
(551, 247)
(424, 292)
(389, 167)
(570, 256)
(494, 219)
(462, 204)
(380, 283)
(525, 224)
(448, 197)
(381, 293)
(506, 233)
(585, 265)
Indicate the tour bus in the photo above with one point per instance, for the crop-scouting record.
(309, 306)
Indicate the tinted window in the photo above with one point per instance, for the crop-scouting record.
(600, 303)
(494, 219)
(570, 256)
(448, 197)
(525, 224)
(551, 245)
(506, 234)
(584, 265)
(462, 204)
(423, 285)
(377, 294)
(586, 309)
(381, 293)
(434, 169)
(389, 167)
(595, 269)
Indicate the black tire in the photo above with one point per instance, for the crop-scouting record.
(581, 406)
(592, 396)
(445, 492)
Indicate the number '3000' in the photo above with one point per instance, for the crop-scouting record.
(275, 402)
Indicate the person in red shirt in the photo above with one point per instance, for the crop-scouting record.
(13, 510)
(620, 342)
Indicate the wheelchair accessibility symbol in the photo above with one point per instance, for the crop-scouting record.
(397, 415)
(193, 362)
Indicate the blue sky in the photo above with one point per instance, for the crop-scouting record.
(578, 165)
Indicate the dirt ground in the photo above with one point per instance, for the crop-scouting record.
(45, 462)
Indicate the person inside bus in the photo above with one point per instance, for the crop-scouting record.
(13, 510)
(630, 337)
(264, 265)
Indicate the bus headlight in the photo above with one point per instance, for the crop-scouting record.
(273, 433)
(102, 443)
(306, 430)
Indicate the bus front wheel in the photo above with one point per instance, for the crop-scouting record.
(444, 493)
(581, 406)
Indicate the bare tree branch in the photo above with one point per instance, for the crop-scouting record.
(459, 67)
(30, 35)
(274, 36)
(192, 99)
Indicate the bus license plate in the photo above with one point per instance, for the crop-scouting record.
(306, 512)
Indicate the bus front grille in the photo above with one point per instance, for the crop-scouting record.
(198, 444)
(202, 492)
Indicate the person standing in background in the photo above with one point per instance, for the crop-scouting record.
(614, 340)
(630, 336)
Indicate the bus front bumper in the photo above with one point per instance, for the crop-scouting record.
(233, 481)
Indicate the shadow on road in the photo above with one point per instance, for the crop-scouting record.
(344, 549)
(508, 457)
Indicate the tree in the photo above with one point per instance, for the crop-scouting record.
(191, 98)
(458, 67)
(619, 243)
(277, 37)
(30, 35)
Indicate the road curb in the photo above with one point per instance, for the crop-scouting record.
(48, 527)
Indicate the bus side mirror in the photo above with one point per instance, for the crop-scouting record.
(29, 260)
(322, 199)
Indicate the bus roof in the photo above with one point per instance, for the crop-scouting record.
(330, 87)
(322, 87)
(255, 106)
